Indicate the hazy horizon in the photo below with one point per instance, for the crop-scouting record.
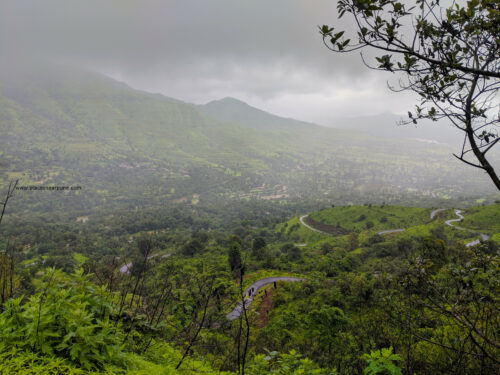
(269, 55)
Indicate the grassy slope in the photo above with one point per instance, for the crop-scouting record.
(382, 217)
(483, 218)
(415, 221)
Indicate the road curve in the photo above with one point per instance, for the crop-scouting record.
(460, 218)
(301, 219)
(251, 292)
(433, 213)
(126, 267)
(390, 231)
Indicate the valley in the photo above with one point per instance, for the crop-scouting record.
(184, 246)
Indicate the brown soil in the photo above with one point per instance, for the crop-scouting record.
(325, 227)
(264, 306)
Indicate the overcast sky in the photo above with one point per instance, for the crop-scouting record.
(265, 52)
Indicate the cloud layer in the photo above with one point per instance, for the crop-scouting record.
(268, 53)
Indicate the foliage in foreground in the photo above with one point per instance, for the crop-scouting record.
(286, 364)
(67, 317)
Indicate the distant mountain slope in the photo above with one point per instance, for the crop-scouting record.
(131, 148)
(387, 126)
(235, 111)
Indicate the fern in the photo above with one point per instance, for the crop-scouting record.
(67, 317)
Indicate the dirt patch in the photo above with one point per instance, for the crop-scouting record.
(265, 305)
(325, 227)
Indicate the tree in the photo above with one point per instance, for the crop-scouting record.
(7, 277)
(325, 324)
(234, 259)
(463, 299)
(258, 244)
(449, 56)
(192, 247)
(434, 249)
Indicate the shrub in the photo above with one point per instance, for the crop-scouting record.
(285, 364)
(68, 317)
(382, 362)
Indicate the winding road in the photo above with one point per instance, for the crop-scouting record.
(252, 290)
(484, 237)
(460, 218)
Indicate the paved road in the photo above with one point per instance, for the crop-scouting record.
(301, 219)
(460, 218)
(251, 292)
(433, 213)
(126, 267)
(390, 231)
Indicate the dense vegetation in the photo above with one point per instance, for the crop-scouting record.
(415, 301)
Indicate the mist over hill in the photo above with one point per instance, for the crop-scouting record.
(128, 148)
(388, 125)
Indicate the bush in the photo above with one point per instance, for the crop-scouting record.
(68, 317)
(382, 362)
(285, 364)
(361, 218)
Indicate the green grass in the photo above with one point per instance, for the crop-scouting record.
(159, 361)
(301, 234)
(496, 238)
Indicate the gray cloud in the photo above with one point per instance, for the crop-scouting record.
(266, 52)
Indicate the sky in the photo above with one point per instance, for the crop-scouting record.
(267, 53)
